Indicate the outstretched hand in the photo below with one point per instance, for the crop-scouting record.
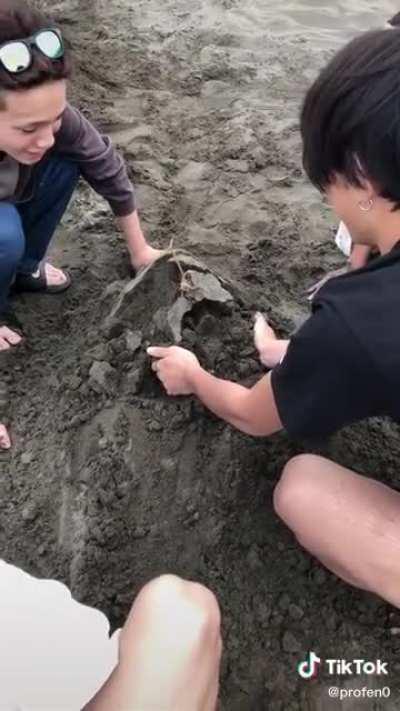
(175, 368)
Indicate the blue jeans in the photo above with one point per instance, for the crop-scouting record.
(26, 229)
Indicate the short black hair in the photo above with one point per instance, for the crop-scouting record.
(350, 120)
(395, 20)
(19, 20)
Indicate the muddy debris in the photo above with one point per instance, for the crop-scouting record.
(184, 283)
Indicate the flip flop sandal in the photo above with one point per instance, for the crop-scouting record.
(28, 282)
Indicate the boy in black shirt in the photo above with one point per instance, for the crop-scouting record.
(358, 254)
(343, 365)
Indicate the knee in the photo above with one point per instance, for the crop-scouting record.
(188, 601)
(297, 490)
(176, 609)
(12, 240)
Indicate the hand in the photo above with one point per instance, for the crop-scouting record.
(270, 349)
(146, 256)
(175, 367)
(263, 335)
(5, 442)
(314, 289)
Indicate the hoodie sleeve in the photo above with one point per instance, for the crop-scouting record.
(100, 164)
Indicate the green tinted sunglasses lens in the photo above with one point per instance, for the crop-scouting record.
(15, 57)
(50, 44)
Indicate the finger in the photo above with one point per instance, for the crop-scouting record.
(155, 366)
(165, 386)
(161, 379)
(260, 330)
(259, 322)
(157, 351)
(4, 346)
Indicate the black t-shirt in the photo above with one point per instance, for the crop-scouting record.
(343, 364)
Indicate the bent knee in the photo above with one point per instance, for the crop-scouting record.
(298, 488)
(183, 602)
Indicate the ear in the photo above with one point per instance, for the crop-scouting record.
(369, 191)
(367, 188)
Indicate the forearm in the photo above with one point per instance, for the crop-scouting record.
(135, 240)
(225, 399)
(235, 404)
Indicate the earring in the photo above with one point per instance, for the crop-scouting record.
(366, 205)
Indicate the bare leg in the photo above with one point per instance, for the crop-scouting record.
(350, 523)
(170, 650)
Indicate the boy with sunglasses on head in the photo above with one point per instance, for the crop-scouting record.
(45, 146)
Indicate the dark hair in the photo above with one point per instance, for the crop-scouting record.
(17, 21)
(395, 20)
(350, 120)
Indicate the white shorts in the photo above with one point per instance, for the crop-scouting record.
(54, 652)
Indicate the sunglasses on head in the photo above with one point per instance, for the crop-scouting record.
(16, 56)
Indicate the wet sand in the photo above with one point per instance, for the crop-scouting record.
(109, 482)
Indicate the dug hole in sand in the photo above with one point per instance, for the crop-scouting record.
(111, 482)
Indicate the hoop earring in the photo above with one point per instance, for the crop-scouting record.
(366, 206)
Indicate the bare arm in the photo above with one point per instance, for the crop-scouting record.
(251, 410)
(139, 251)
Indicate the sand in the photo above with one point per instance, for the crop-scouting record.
(110, 482)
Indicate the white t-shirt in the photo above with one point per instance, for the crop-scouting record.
(54, 652)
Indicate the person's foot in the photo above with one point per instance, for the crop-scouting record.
(8, 338)
(54, 276)
(271, 350)
(5, 441)
(147, 256)
(46, 279)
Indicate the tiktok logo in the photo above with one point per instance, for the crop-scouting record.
(309, 668)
